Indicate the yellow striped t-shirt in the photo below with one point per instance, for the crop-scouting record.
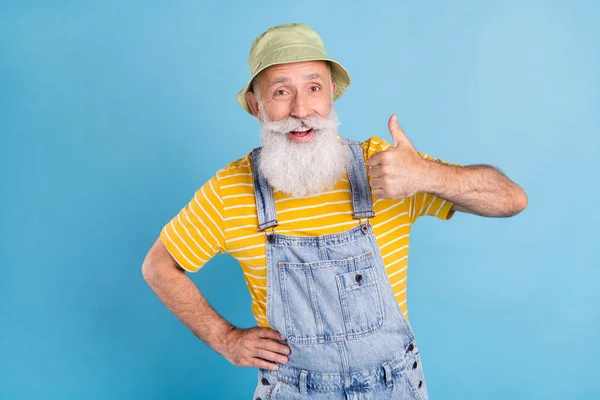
(221, 218)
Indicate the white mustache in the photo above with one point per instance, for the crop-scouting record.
(291, 124)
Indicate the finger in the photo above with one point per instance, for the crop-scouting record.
(376, 183)
(375, 172)
(270, 334)
(375, 159)
(396, 131)
(260, 363)
(379, 193)
(274, 346)
(269, 356)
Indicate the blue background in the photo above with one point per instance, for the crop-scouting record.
(113, 113)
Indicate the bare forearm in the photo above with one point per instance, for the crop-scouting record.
(480, 188)
(176, 291)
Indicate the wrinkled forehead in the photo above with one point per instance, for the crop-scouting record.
(296, 72)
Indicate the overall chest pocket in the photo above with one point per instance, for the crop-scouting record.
(331, 300)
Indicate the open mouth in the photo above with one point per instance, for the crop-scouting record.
(301, 135)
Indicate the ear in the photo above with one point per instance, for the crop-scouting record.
(253, 104)
(333, 87)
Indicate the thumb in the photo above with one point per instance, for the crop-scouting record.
(397, 133)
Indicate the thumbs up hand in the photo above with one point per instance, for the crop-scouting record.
(398, 172)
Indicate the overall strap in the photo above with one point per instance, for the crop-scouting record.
(263, 192)
(362, 203)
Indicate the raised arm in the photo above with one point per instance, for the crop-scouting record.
(402, 172)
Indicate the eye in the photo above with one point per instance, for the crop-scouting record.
(280, 92)
(314, 88)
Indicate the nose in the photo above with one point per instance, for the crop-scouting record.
(300, 106)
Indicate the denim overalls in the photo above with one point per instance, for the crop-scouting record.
(331, 298)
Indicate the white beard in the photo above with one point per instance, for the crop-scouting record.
(301, 169)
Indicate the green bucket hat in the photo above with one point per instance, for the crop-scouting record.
(290, 43)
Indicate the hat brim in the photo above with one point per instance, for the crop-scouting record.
(339, 76)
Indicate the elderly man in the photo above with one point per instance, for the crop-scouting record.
(320, 226)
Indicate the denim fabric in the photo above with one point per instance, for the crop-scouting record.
(331, 298)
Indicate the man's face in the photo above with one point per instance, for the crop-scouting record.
(301, 151)
(298, 90)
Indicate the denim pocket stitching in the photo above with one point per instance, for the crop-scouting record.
(345, 292)
(362, 263)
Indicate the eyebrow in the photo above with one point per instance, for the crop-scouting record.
(282, 79)
(312, 76)
(279, 79)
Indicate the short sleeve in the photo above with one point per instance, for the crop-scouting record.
(196, 233)
(422, 204)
